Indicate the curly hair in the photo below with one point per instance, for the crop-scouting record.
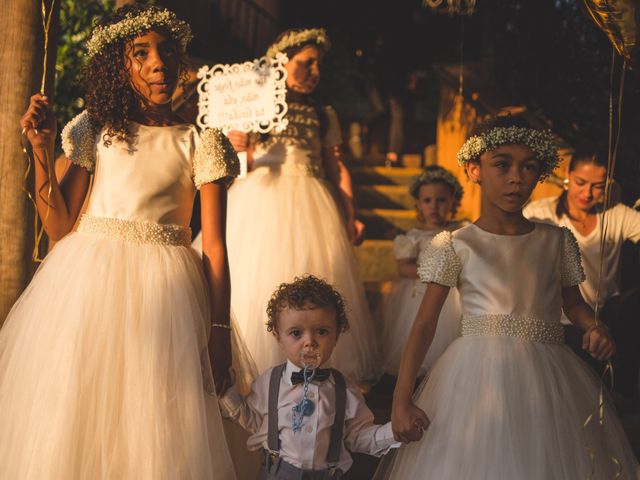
(306, 293)
(109, 96)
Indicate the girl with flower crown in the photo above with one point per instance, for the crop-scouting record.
(108, 379)
(507, 399)
(437, 193)
(294, 214)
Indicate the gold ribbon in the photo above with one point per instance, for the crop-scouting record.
(611, 163)
(38, 232)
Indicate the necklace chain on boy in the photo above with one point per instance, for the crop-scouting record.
(306, 407)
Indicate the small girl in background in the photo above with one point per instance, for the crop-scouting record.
(438, 194)
(507, 399)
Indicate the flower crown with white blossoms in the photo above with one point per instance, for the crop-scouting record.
(311, 35)
(540, 141)
(137, 23)
(436, 175)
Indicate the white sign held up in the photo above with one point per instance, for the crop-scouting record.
(249, 96)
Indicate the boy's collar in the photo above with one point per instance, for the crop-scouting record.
(289, 369)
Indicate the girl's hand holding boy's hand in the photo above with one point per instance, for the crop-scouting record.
(220, 358)
(408, 422)
(598, 342)
(239, 140)
(39, 122)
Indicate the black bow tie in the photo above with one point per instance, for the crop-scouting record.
(321, 374)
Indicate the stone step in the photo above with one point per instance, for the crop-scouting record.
(384, 196)
(375, 260)
(383, 175)
(382, 223)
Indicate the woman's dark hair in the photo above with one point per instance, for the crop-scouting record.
(304, 98)
(582, 155)
(109, 95)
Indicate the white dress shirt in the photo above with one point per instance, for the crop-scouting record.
(623, 223)
(308, 447)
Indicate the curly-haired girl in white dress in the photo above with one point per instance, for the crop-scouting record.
(105, 358)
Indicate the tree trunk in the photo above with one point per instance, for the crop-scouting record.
(21, 59)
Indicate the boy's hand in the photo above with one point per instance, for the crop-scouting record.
(598, 342)
(408, 422)
(39, 118)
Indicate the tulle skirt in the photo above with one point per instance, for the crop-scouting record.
(283, 226)
(504, 408)
(398, 312)
(104, 367)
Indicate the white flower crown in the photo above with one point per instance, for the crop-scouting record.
(135, 24)
(436, 175)
(316, 35)
(540, 141)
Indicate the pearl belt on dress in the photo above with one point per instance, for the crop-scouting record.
(521, 326)
(136, 231)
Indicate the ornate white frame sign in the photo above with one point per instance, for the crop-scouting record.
(249, 96)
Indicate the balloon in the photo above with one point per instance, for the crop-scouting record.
(616, 18)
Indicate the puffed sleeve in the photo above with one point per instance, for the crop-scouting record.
(79, 139)
(439, 263)
(214, 158)
(333, 136)
(404, 247)
(571, 271)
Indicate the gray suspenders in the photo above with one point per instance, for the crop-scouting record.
(337, 429)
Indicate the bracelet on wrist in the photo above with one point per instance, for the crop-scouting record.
(221, 325)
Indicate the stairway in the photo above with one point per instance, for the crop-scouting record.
(386, 208)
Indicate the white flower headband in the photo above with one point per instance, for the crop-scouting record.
(311, 35)
(436, 175)
(137, 23)
(540, 141)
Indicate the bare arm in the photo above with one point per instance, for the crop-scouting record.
(407, 268)
(407, 419)
(339, 176)
(58, 209)
(596, 340)
(216, 267)
(240, 142)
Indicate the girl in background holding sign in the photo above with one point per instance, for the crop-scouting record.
(106, 377)
(285, 221)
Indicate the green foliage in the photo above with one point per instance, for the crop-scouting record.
(76, 22)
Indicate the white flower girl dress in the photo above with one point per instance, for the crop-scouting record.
(103, 358)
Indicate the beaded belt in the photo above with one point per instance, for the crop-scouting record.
(527, 328)
(136, 231)
(291, 169)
